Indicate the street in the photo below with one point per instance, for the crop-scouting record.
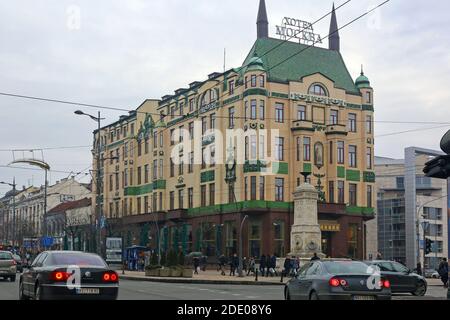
(143, 290)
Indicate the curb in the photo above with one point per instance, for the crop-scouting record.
(200, 281)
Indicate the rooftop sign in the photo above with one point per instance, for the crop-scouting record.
(298, 29)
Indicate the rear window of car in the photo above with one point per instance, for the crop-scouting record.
(76, 259)
(5, 256)
(345, 267)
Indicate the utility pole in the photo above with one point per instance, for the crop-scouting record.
(13, 231)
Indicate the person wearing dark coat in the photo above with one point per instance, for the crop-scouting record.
(222, 264)
(196, 264)
(262, 264)
(273, 264)
(287, 266)
(315, 257)
(268, 265)
(443, 272)
(234, 264)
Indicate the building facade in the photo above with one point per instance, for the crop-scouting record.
(170, 168)
(424, 203)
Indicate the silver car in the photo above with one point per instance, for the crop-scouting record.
(8, 266)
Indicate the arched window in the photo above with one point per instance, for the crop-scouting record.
(318, 90)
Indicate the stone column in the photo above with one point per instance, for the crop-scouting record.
(306, 236)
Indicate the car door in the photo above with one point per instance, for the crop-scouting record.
(407, 281)
(27, 278)
(310, 278)
(35, 270)
(298, 289)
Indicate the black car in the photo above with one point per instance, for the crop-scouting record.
(68, 275)
(337, 280)
(402, 279)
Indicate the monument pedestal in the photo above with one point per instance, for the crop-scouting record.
(306, 237)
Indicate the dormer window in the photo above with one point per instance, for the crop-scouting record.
(318, 90)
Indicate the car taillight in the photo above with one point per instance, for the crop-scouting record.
(14, 262)
(335, 282)
(110, 276)
(59, 276)
(386, 284)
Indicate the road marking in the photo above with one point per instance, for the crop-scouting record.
(251, 297)
(236, 294)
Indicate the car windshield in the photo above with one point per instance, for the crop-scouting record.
(5, 256)
(78, 259)
(345, 267)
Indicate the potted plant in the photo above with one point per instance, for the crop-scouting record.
(153, 269)
(172, 260)
(165, 271)
(186, 270)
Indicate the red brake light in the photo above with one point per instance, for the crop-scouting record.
(386, 284)
(59, 276)
(110, 276)
(335, 282)
(14, 262)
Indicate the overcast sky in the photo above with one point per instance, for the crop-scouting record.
(119, 53)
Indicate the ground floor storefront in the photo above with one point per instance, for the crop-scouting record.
(265, 230)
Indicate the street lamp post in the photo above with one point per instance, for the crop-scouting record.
(241, 274)
(98, 179)
(13, 185)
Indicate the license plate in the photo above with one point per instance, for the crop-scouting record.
(88, 291)
(363, 298)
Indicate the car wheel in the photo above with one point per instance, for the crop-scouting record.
(313, 296)
(22, 295)
(420, 290)
(13, 278)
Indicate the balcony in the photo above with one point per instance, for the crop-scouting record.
(304, 125)
(339, 129)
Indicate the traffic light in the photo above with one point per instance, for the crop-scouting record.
(428, 245)
(439, 167)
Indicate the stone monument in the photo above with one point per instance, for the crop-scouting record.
(306, 238)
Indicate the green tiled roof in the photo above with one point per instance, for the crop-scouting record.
(310, 61)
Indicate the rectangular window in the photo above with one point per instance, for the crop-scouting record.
(139, 178)
(191, 105)
(253, 110)
(262, 81)
(203, 196)
(340, 152)
(369, 197)
(231, 117)
(132, 129)
(191, 162)
(253, 81)
(261, 188)
(181, 108)
(246, 82)
(253, 188)
(172, 168)
(160, 201)
(279, 112)
(155, 169)
(204, 125)
(212, 194)
(190, 198)
(146, 205)
(172, 200)
(146, 146)
(146, 173)
(181, 167)
(245, 110)
(125, 177)
(231, 193)
(352, 194)
(191, 130)
(246, 188)
(278, 241)
(331, 192)
(111, 184)
(369, 158)
(261, 146)
(139, 206)
(212, 156)
(279, 149)
(231, 87)
(172, 137)
(352, 122)
(172, 112)
(331, 151)
(203, 158)
(117, 180)
(306, 149)
(352, 156)
(181, 199)
(155, 140)
(253, 147)
(262, 110)
(341, 192)
(161, 168)
(279, 189)
(246, 147)
(298, 148)
(212, 119)
(334, 117)
(181, 134)
(154, 202)
(301, 113)
(368, 98)
(161, 140)
(369, 124)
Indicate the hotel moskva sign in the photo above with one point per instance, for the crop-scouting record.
(298, 30)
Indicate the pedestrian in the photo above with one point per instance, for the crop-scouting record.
(234, 263)
(287, 266)
(315, 257)
(244, 264)
(419, 268)
(222, 264)
(273, 265)
(379, 256)
(443, 272)
(196, 261)
(262, 264)
(268, 265)
(252, 266)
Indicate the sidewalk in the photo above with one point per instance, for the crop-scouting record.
(214, 277)
(205, 277)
